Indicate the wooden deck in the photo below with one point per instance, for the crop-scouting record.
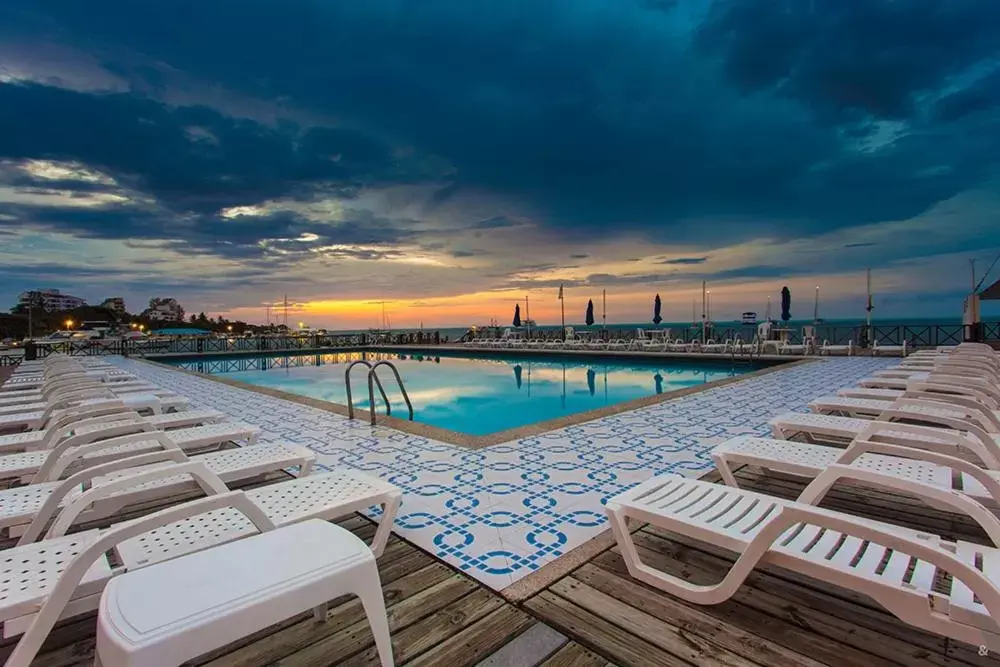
(778, 618)
(437, 616)
(597, 615)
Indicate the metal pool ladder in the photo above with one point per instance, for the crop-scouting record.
(373, 381)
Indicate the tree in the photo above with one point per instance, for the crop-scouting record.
(590, 313)
(193, 318)
(517, 315)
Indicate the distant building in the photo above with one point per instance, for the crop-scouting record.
(51, 300)
(164, 310)
(115, 304)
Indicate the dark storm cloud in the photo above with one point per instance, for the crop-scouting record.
(149, 146)
(685, 260)
(596, 114)
(235, 238)
(840, 58)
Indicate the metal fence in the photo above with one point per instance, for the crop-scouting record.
(274, 363)
(915, 335)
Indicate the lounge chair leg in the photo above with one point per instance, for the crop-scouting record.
(374, 604)
(385, 526)
(723, 467)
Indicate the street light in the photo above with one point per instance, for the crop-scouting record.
(229, 327)
(134, 325)
(69, 324)
(141, 327)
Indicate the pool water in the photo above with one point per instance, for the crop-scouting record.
(475, 395)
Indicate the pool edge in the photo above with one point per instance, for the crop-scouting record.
(500, 437)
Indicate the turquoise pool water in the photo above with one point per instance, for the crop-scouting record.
(477, 395)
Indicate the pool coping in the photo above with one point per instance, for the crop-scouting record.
(500, 437)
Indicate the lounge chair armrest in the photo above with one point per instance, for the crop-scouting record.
(962, 504)
(858, 448)
(206, 479)
(50, 611)
(82, 479)
(63, 456)
(962, 438)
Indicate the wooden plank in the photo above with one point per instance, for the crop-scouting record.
(574, 655)
(684, 645)
(69, 642)
(828, 618)
(477, 641)
(407, 642)
(598, 634)
(299, 633)
(872, 502)
(689, 619)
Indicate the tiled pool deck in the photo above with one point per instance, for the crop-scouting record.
(501, 512)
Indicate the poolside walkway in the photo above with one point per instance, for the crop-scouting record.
(502, 512)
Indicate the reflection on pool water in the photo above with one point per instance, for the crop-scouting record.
(476, 395)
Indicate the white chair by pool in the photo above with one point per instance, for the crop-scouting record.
(26, 511)
(908, 407)
(49, 464)
(896, 567)
(214, 597)
(934, 466)
(832, 348)
(87, 430)
(878, 350)
(36, 591)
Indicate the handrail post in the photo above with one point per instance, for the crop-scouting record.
(347, 385)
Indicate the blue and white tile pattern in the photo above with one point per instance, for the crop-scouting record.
(501, 512)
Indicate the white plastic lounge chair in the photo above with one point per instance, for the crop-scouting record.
(951, 367)
(78, 396)
(45, 465)
(62, 418)
(283, 572)
(94, 427)
(981, 383)
(896, 567)
(37, 590)
(970, 440)
(35, 419)
(940, 388)
(61, 388)
(37, 504)
(26, 382)
(793, 348)
(717, 348)
(947, 473)
(888, 349)
(913, 408)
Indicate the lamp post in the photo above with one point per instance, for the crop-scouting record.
(69, 323)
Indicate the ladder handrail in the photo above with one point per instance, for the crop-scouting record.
(347, 384)
(374, 379)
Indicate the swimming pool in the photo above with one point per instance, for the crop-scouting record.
(476, 395)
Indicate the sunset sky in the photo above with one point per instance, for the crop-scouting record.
(449, 157)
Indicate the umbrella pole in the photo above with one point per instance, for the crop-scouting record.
(527, 315)
(704, 296)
